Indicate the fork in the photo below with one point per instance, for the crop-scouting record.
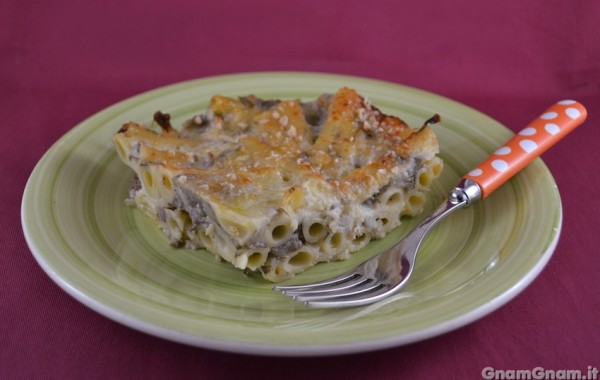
(388, 272)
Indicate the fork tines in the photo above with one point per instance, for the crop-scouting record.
(349, 289)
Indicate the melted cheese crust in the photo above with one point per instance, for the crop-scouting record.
(278, 186)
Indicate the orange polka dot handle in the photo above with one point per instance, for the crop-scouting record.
(542, 133)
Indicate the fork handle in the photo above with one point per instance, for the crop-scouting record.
(542, 133)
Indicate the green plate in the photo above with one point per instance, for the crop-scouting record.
(112, 259)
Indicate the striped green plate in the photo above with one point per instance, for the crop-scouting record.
(110, 258)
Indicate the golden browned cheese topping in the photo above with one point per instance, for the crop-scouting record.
(254, 154)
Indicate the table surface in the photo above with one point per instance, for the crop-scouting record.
(61, 62)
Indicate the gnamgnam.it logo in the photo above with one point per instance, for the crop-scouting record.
(490, 373)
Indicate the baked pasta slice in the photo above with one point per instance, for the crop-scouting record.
(277, 186)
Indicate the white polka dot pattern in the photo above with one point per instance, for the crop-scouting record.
(476, 172)
(549, 115)
(500, 165)
(528, 145)
(528, 131)
(543, 132)
(503, 151)
(552, 128)
(573, 113)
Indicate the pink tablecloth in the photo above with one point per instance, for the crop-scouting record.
(62, 61)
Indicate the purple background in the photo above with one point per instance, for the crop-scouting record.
(62, 61)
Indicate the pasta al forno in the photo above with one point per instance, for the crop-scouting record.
(277, 186)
